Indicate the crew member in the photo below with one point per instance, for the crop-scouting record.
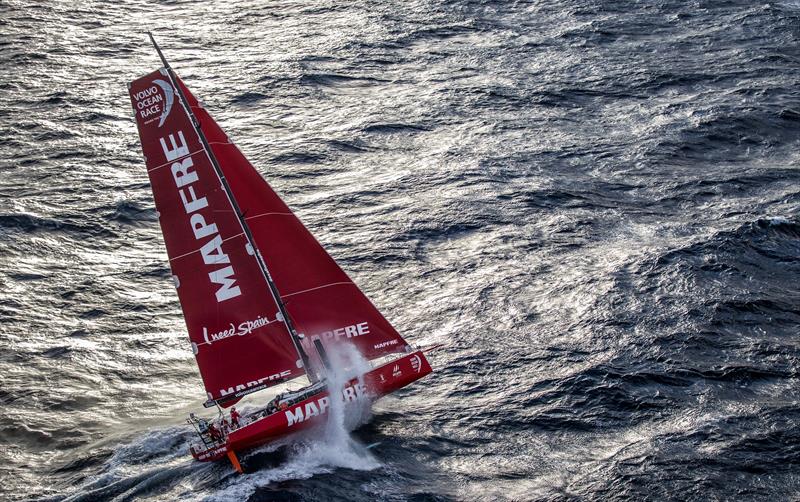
(214, 432)
(234, 418)
(202, 425)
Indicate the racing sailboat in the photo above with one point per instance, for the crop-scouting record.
(264, 303)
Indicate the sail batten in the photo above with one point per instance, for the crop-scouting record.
(345, 283)
(165, 164)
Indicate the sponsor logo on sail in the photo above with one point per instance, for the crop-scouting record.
(186, 181)
(320, 405)
(352, 331)
(244, 328)
(396, 372)
(252, 386)
(387, 343)
(416, 364)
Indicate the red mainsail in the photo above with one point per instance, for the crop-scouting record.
(239, 344)
(239, 338)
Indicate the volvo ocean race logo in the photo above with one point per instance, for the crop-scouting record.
(155, 102)
(169, 96)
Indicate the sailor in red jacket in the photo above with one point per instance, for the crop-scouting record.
(234, 418)
(214, 432)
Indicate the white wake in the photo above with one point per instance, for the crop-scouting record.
(327, 448)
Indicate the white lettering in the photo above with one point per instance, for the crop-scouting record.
(184, 178)
(176, 151)
(153, 102)
(222, 276)
(200, 227)
(244, 328)
(213, 254)
(385, 344)
(193, 204)
(347, 331)
(149, 101)
(145, 93)
(153, 110)
(321, 405)
(295, 416)
(255, 383)
(180, 171)
(311, 410)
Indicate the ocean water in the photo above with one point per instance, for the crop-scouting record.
(594, 205)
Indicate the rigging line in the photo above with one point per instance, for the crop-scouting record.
(201, 247)
(318, 287)
(173, 161)
(268, 214)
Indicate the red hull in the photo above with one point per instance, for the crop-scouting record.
(378, 382)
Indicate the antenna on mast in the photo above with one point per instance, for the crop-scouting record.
(158, 50)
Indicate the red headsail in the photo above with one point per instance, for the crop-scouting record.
(321, 299)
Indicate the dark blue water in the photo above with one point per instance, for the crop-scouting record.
(594, 204)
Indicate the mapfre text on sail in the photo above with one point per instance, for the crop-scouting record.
(220, 270)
